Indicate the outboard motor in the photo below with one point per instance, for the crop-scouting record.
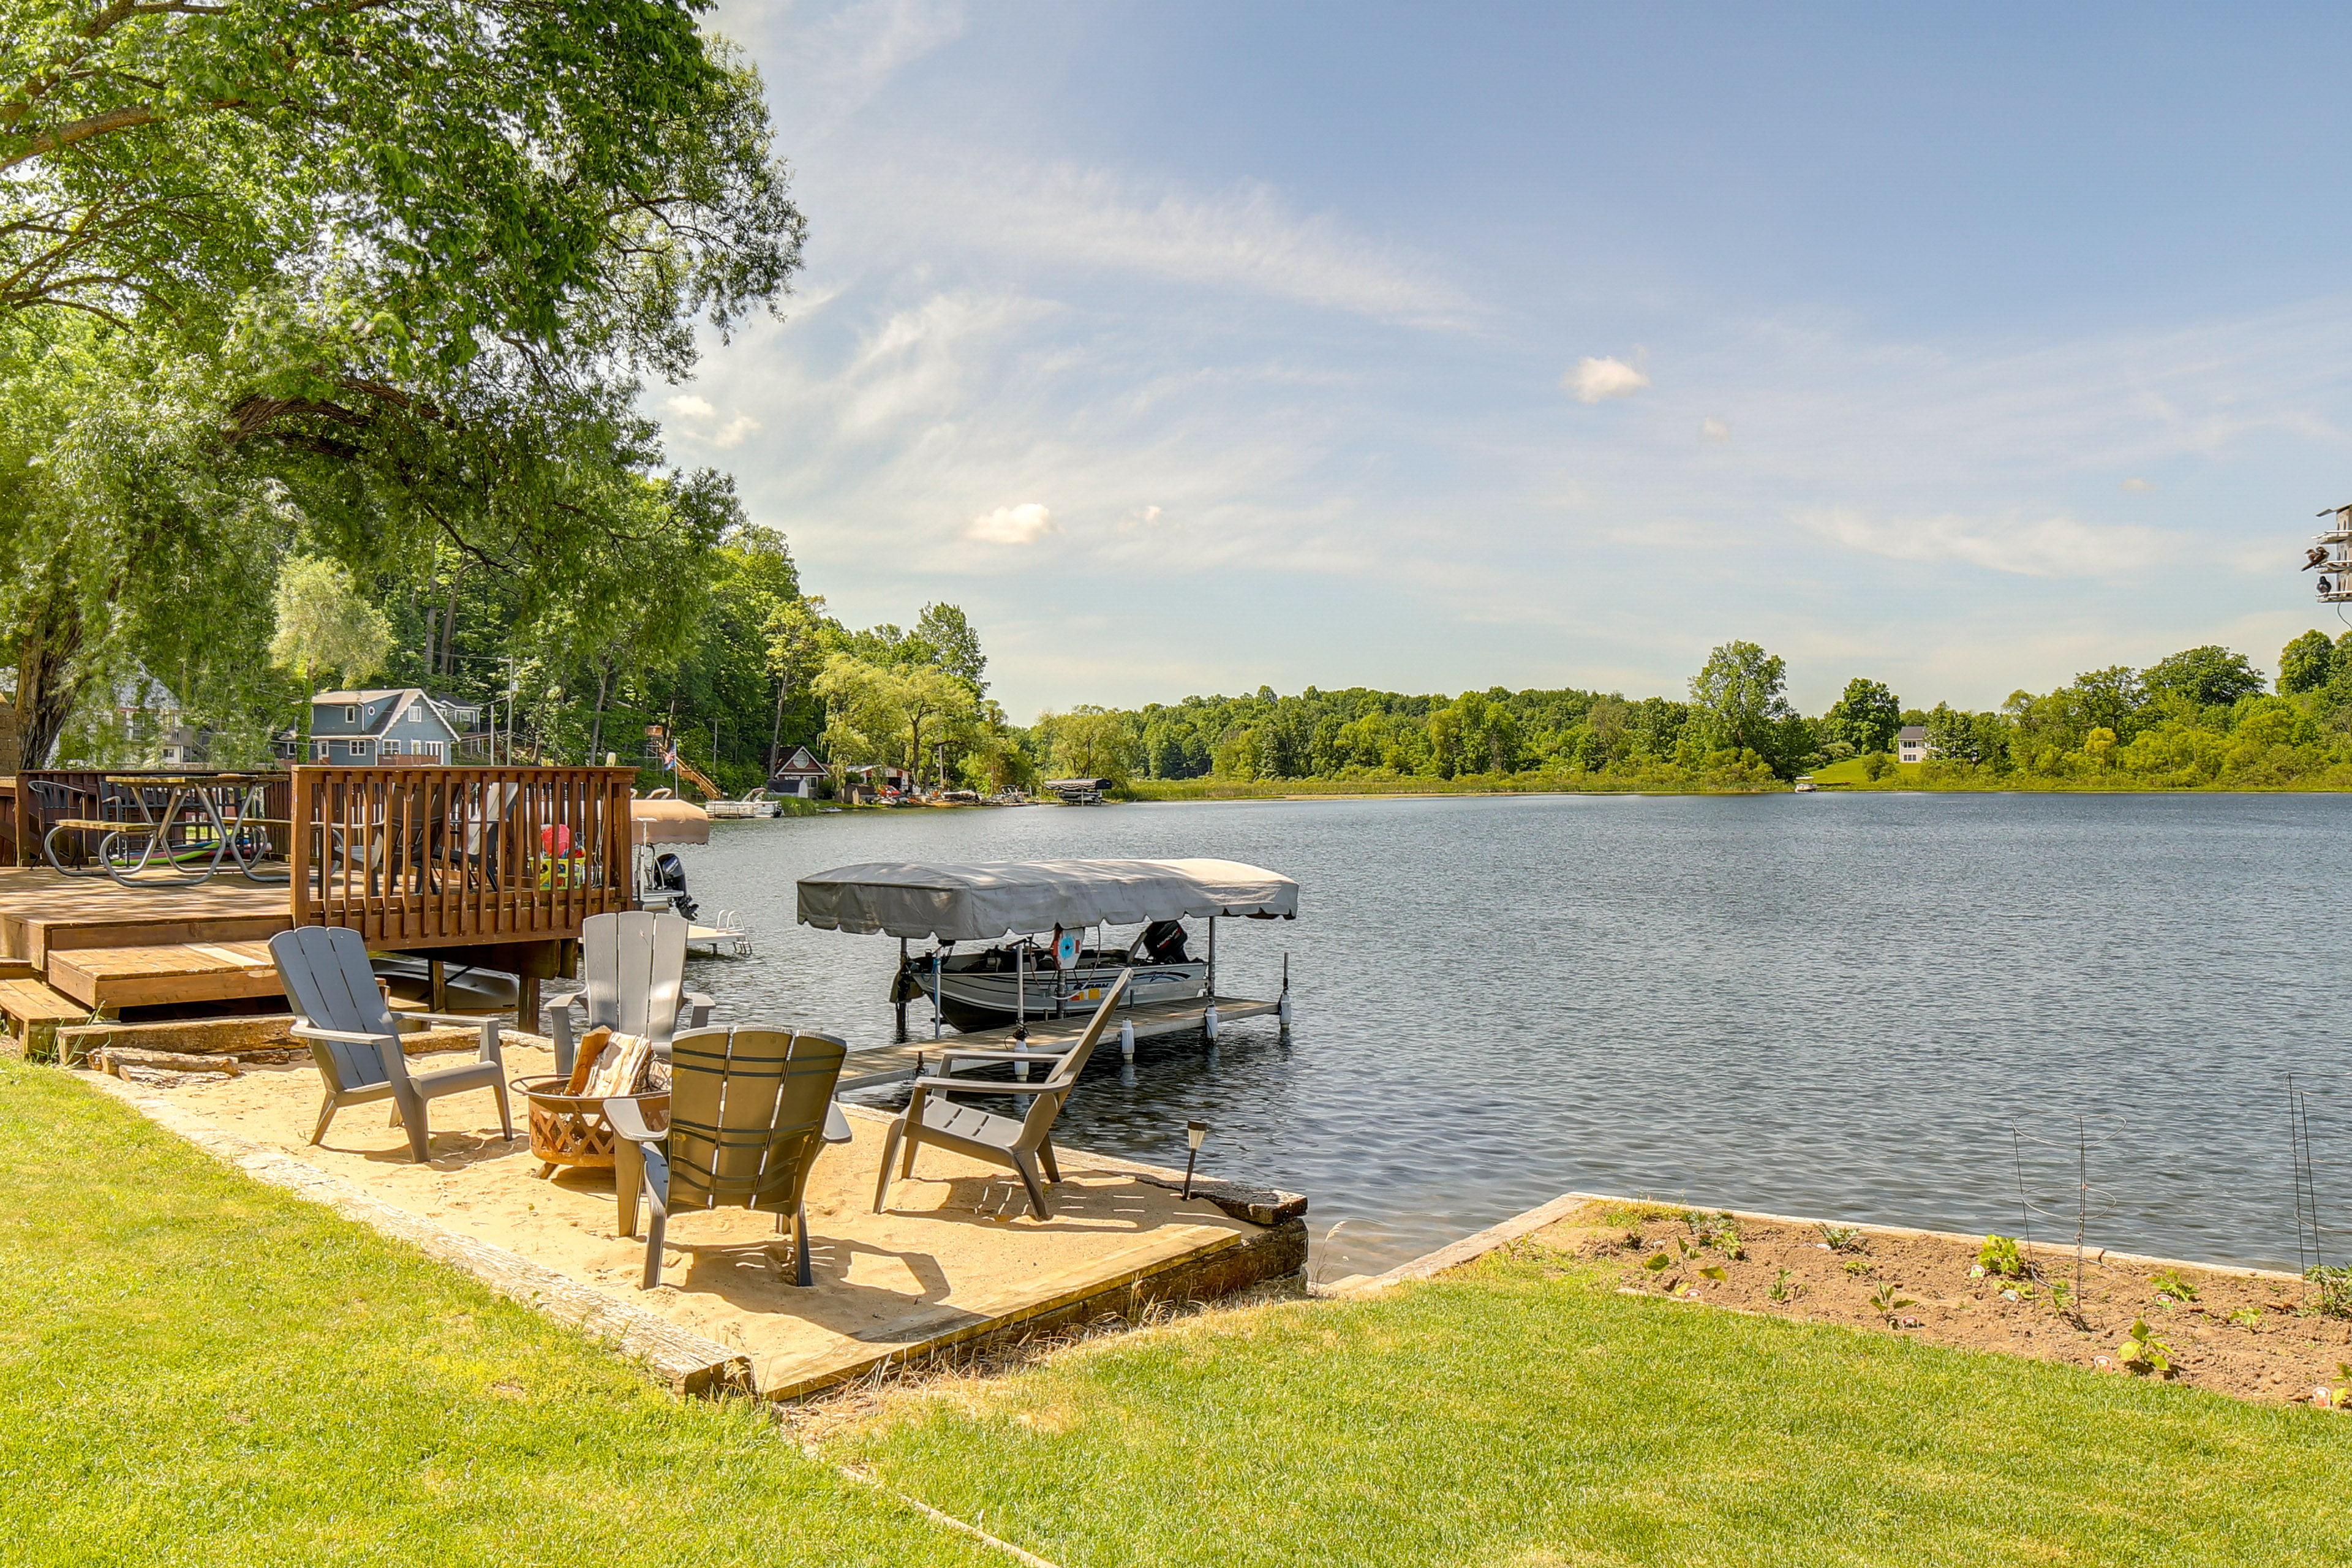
(669, 876)
(1162, 942)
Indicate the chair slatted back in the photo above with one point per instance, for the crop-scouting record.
(325, 971)
(1045, 1105)
(747, 1115)
(635, 964)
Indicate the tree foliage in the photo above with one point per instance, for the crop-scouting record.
(323, 625)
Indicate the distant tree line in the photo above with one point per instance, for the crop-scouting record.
(2204, 716)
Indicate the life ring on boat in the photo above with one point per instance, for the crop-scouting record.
(1066, 950)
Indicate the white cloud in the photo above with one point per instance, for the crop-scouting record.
(687, 406)
(1712, 429)
(734, 431)
(1023, 524)
(2047, 547)
(2138, 485)
(1602, 380)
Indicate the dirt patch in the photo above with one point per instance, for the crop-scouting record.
(2254, 1335)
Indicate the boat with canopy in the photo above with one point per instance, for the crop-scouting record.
(999, 909)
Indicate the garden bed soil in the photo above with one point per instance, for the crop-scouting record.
(2250, 1333)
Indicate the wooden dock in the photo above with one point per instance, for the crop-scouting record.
(1048, 1037)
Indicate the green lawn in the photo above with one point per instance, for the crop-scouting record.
(1524, 1415)
(199, 1369)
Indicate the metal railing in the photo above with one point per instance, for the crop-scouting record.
(439, 854)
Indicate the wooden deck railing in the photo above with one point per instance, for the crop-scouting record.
(453, 855)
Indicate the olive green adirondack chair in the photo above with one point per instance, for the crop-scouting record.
(1024, 1142)
(750, 1108)
(355, 1037)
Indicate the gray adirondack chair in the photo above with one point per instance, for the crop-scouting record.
(354, 1036)
(1024, 1142)
(635, 964)
(750, 1108)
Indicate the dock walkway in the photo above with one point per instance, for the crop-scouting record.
(881, 1064)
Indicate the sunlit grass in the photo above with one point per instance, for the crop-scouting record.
(199, 1369)
(1527, 1413)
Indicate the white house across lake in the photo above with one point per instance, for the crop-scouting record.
(1911, 744)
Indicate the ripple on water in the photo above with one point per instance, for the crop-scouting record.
(1826, 1004)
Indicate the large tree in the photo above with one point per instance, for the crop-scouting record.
(400, 263)
(1738, 696)
(1865, 717)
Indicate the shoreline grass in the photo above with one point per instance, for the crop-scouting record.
(1900, 779)
(198, 1368)
(1521, 1412)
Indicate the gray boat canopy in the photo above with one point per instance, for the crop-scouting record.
(987, 900)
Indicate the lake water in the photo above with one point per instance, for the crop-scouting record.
(1835, 1005)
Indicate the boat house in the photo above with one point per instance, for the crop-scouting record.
(402, 726)
(797, 776)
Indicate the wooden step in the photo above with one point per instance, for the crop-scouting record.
(36, 937)
(30, 1002)
(113, 977)
(34, 1013)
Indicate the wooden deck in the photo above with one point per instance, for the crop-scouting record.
(1153, 1020)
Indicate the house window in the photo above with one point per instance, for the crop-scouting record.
(415, 714)
(391, 748)
(351, 715)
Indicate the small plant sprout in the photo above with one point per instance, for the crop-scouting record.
(1719, 1231)
(1857, 1266)
(1781, 1291)
(1658, 1262)
(1714, 1271)
(2335, 1282)
(2338, 1394)
(2171, 1287)
(1999, 1257)
(2143, 1353)
(1844, 1238)
(2246, 1318)
(1887, 1303)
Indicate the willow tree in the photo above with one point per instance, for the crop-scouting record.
(404, 263)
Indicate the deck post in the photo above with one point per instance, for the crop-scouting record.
(935, 988)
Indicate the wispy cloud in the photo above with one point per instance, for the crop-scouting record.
(2043, 547)
(1068, 218)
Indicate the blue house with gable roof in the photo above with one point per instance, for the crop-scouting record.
(401, 727)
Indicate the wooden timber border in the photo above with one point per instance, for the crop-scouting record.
(1470, 1248)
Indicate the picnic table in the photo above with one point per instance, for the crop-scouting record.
(188, 826)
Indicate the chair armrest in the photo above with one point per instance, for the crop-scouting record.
(347, 1036)
(986, 1086)
(628, 1120)
(467, 1020)
(977, 1055)
(701, 1002)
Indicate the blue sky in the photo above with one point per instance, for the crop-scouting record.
(1195, 347)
